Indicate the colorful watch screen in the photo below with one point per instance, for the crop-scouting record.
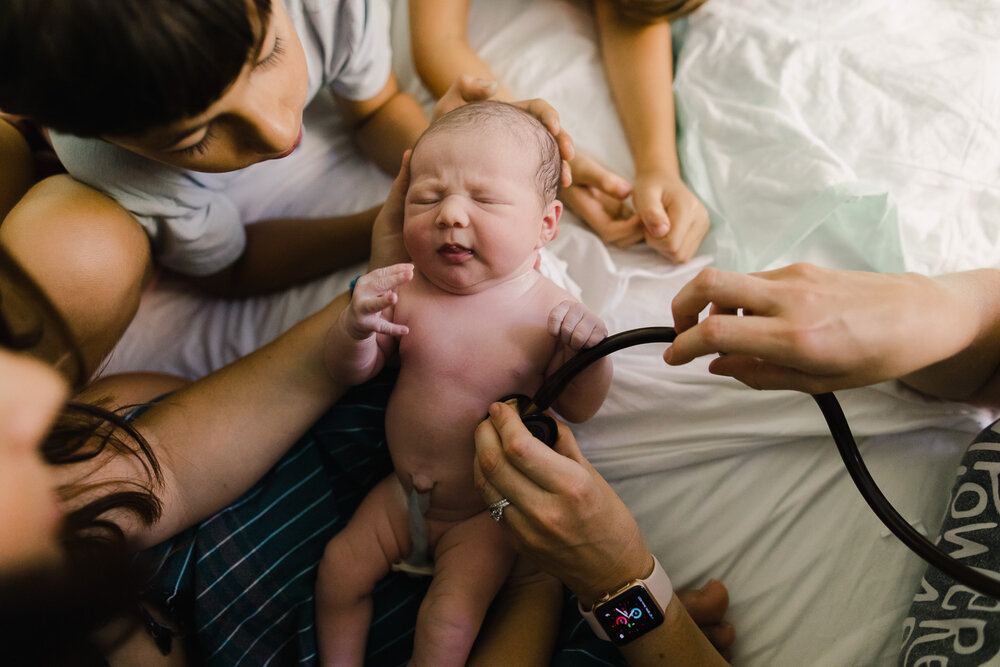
(629, 615)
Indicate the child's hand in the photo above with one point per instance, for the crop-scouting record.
(373, 294)
(600, 197)
(575, 326)
(674, 220)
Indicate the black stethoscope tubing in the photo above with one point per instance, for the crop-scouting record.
(839, 429)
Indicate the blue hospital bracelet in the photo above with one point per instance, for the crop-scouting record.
(354, 284)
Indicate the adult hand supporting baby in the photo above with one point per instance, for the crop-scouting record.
(569, 520)
(815, 330)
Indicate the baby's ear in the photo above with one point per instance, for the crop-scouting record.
(550, 222)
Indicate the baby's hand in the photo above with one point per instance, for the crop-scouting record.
(373, 294)
(674, 220)
(575, 326)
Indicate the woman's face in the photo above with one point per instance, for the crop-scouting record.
(30, 395)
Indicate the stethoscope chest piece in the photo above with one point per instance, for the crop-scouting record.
(540, 425)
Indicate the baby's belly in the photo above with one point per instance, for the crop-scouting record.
(431, 439)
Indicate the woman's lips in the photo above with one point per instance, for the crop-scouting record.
(454, 253)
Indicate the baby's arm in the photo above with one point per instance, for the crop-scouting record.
(638, 62)
(578, 328)
(363, 337)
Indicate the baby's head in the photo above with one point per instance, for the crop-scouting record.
(511, 123)
(482, 196)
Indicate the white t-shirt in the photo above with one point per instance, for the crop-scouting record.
(194, 227)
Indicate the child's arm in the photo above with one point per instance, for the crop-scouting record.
(363, 337)
(638, 62)
(578, 328)
(385, 125)
(440, 46)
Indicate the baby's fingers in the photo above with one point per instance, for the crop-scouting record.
(384, 279)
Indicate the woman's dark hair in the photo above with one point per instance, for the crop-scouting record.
(121, 67)
(48, 613)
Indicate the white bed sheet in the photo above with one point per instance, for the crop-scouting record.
(852, 134)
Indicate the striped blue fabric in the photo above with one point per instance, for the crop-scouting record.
(240, 585)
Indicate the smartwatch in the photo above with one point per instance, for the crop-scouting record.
(632, 610)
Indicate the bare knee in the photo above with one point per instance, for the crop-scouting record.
(88, 253)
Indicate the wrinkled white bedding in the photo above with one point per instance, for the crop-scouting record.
(857, 134)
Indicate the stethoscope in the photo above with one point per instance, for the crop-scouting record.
(544, 428)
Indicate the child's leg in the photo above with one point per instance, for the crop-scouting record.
(87, 253)
(471, 562)
(353, 562)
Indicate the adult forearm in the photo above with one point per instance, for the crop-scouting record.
(218, 436)
(283, 253)
(391, 130)
(973, 373)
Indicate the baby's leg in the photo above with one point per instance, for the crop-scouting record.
(353, 562)
(471, 562)
(87, 253)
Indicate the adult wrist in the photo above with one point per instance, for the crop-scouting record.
(632, 610)
(587, 593)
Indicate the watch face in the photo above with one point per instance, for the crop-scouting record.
(629, 615)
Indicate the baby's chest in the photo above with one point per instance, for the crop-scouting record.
(492, 349)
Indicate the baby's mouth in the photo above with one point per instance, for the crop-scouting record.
(455, 253)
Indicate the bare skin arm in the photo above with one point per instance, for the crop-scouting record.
(386, 125)
(283, 253)
(440, 45)
(638, 63)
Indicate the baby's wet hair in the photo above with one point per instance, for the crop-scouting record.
(122, 67)
(530, 129)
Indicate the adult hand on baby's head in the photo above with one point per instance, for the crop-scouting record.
(674, 221)
(562, 513)
(600, 197)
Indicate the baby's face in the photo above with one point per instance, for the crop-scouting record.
(474, 217)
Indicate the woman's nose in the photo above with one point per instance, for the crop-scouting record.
(453, 212)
